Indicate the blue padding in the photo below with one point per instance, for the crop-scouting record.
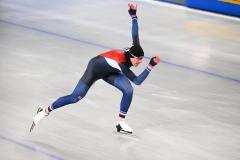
(215, 6)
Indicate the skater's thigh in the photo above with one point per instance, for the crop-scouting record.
(119, 81)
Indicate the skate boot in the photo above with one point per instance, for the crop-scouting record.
(123, 127)
(41, 113)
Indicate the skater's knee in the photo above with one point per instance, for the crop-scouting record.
(128, 91)
(75, 98)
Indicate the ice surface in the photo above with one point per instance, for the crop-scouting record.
(187, 109)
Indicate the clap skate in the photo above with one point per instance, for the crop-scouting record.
(41, 113)
(123, 127)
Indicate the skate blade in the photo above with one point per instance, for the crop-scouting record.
(33, 124)
(125, 135)
(125, 132)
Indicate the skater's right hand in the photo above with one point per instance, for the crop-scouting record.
(132, 10)
(154, 61)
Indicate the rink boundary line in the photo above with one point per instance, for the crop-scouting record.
(54, 34)
(202, 71)
(107, 47)
(34, 149)
(185, 8)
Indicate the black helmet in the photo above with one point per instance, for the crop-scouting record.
(136, 51)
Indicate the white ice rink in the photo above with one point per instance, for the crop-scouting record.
(187, 109)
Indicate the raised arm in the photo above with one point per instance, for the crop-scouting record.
(133, 13)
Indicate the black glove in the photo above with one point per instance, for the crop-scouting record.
(132, 10)
(154, 63)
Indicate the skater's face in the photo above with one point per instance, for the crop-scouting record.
(136, 61)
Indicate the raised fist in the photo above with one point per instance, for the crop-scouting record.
(132, 10)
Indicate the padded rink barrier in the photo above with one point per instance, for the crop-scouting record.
(228, 7)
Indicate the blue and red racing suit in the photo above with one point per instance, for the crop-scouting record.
(114, 68)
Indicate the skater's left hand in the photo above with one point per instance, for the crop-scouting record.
(132, 10)
(154, 61)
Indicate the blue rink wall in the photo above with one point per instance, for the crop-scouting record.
(228, 7)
